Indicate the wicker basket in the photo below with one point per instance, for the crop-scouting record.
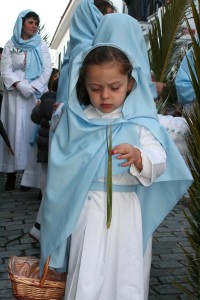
(24, 274)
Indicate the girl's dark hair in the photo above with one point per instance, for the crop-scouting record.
(99, 56)
(103, 5)
(33, 15)
(54, 85)
(54, 75)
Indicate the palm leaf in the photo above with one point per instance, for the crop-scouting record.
(43, 34)
(109, 178)
(193, 143)
(164, 37)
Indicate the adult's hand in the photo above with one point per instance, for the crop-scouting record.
(25, 89)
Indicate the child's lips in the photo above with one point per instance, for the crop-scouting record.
(106, 105)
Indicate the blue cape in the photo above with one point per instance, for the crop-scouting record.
(78, 151)
(85, 21)
(184, 87)
(82, 30)
(34, 61)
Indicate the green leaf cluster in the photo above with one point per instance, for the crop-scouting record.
(166, 47)
(192, 214)
(43, 34)
(164, 37)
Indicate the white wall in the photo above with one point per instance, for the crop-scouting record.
(61, 36)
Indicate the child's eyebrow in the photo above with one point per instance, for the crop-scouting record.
(109, 83)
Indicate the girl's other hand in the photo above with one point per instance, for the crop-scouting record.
(130, 153)
(159, 87)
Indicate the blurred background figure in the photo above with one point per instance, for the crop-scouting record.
(184, 87)
(41, 115)
(142, 9)
(32, 171)
(105, 6)
(25, 69)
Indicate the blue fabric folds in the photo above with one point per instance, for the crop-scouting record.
(184, 87)
(34, 61)
(78, 152)
(82, 30)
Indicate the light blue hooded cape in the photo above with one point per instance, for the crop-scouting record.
(78, 152)
(184, 87)
(82, 29)
(34, 61)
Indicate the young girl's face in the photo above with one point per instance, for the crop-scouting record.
(107, 86)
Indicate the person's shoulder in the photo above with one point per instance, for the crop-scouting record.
(9, 44)
(43, 44)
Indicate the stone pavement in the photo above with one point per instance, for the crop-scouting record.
(18, 212)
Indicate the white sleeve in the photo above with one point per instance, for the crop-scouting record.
(9, 76)
(153, 158)
(56, 115)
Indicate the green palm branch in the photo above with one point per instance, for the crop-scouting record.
(109, 177)
(164, 37)
(166, 49)
(193, 142)
(43, 34)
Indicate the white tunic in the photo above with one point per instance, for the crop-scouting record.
(16, 109)
(107, 264)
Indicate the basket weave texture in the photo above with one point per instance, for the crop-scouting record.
(24, 274)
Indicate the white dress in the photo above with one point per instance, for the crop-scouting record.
(16, 109)
(107, 264)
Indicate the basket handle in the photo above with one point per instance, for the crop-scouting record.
(45, 270)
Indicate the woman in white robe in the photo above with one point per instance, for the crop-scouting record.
(25, 69)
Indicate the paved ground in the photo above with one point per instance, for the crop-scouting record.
(17, 214)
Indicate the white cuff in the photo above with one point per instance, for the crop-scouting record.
(145, 175)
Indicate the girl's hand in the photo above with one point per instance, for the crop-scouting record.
(131, 154)
(159, 87)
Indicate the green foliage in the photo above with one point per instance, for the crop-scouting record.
(109, 178)
(43, 34)
(193, 206)
(164, 36)
(193, 143)
(166, 47)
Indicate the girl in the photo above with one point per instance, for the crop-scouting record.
(115, 255)
(108, 85)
